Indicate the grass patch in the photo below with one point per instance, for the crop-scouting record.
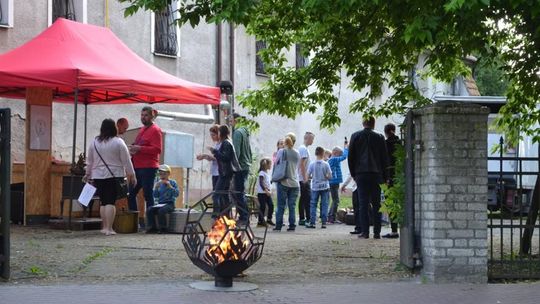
(37, 271)
(93, 257)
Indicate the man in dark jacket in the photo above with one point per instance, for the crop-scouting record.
(368, 162)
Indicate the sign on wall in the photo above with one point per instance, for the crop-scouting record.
(40, 127)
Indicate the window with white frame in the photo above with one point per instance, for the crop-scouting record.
(6, 13)
(259, 64)
(166, 33)
(69, 9)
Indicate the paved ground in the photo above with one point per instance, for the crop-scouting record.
(307, 266)
(352, 292)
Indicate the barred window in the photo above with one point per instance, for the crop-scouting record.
(301, 60)
(63, 9)
(259, 64)
(165, 32)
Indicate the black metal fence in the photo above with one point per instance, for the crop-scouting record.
(5, 181)
(513, 236)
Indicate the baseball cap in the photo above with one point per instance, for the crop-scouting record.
(164, 168)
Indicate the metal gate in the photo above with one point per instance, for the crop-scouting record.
(5, 181)
(408, 243)
(513, 200)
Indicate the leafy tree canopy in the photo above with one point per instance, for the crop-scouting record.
(376, 42)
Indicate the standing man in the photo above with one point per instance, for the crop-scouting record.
(242, 148)
(392, 140)
(305, 187)
(145, 153)
(122, 125)
(368, 162)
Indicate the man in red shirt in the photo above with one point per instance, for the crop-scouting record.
(145, 153)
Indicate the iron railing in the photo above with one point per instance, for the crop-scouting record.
(5, 195)
(166, 37)
(514, 246)
(64, 9)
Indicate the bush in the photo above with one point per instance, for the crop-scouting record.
(394, 196)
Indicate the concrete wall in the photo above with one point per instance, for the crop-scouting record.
(451, 191)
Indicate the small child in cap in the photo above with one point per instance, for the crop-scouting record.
(165, 191)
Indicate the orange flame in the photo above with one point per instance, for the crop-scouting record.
(225, 243)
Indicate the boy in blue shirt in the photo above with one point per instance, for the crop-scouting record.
(165, 191)
(338, 155)
(320, 173)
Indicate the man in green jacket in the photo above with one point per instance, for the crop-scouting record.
(242, 148)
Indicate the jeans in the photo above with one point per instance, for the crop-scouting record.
(265, 201)
(221, 194)
(334, 193)
(315, 194)
(240, 179)
(145, 180)
(161, 212)
(286, 196)
(305, 201)
(369, 193)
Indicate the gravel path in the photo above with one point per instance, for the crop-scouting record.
(47, 256)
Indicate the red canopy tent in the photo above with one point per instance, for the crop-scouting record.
(88, 64)
(72, 57)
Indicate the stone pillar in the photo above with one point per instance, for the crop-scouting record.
(451, 191)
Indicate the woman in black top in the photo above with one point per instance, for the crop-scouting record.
(227, 165)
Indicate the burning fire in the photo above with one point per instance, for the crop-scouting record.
(225, 243)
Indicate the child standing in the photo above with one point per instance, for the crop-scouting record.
(264, 194)
(338, 155)
(166, 192)
(320, 173)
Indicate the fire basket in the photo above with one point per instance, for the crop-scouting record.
(218, 241)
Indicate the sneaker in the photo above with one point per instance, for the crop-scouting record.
(355, 232)
(323, 226)
(301, 222)
(291, 229)
(312, 226)
(276, 229)
(269, 222)
(391, 236)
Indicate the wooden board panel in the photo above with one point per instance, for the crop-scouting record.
(38, 162)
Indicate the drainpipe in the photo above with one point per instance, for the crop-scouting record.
(206, 118)
(231, 59)
(218, 53)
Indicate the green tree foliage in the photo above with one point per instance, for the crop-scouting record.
(375, 42)
(490, 78)
(394, 196)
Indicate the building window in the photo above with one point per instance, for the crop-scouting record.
(63, 9)
(6, 13)
(301, 60)
(259, 64)
(69, 9)
(165, 40)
